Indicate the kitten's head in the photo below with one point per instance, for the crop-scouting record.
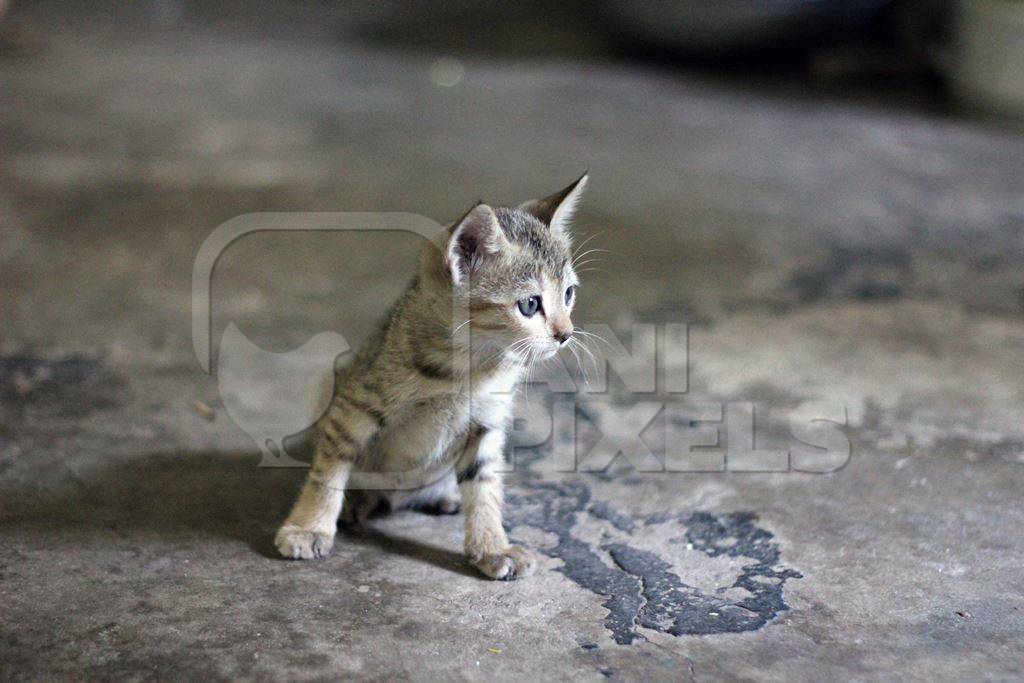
(513, 267)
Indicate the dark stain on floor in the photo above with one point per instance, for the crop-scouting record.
(641, 588)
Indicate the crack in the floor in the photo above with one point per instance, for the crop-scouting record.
(644, 595)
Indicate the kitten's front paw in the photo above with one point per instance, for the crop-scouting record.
(512, 563)
(297, 543)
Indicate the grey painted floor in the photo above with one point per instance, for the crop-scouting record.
(819, 247)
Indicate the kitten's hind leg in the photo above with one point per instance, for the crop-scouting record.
(449, 505)
(360, 506)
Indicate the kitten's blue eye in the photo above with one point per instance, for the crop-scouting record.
(570, 294)
(529, 306)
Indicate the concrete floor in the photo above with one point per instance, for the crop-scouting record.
(820, 246)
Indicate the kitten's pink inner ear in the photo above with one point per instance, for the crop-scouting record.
(474, 239)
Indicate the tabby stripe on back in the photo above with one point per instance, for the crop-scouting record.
(338, 434)
(362, 406)
(430, 369)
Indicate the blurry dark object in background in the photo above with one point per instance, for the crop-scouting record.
(873, 49)
(15, 40)
(720, 27)
(974, 48)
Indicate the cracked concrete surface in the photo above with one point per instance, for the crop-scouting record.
(821, 247)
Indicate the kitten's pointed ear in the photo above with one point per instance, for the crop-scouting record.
(473, 239)
(558, 209)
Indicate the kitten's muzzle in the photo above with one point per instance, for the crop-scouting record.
(562, 336)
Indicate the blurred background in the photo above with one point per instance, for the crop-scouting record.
(829, 192)
(749, 160)
(758, 154)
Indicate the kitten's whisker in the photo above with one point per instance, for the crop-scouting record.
(573, 343)
(575, 257)
(536, 360)
(511, 348)
(588, 335)
(522, 348)
(593, 358)
(529, 372)
(587, 262)
(584, 242)
(597, 259)
(582, 345)
(591, 255)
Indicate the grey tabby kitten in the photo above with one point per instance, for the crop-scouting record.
(424, 406)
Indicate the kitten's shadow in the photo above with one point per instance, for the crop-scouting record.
(369, 537)
(201, 494)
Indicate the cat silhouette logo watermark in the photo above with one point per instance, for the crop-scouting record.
(611, 400)
(272, 396)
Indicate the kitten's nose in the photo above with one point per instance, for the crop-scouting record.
(563, 336)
